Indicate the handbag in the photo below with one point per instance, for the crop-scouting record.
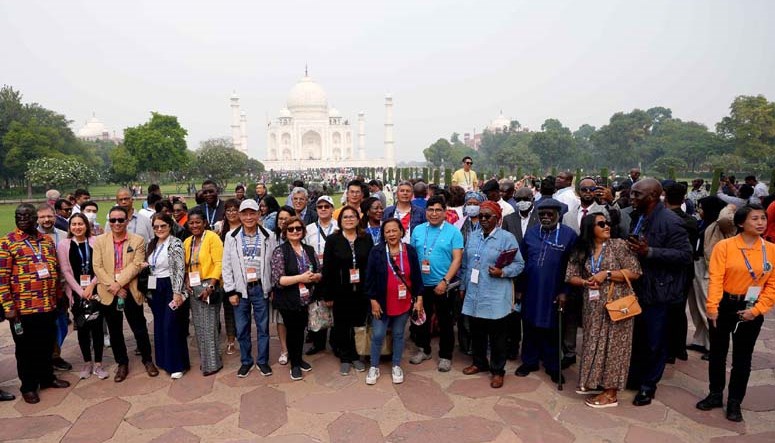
(320, 316)
(625, 307)
(363, 341)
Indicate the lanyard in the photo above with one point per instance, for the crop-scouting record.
(323, 234)
(211, 220)
(595, 266)
(254, 248)
(352, 249)
(118, 255)
(155, 256)
(639, 226)
(482, 241)
(39, 253)
(400, 258)
(375, 233)
(425, 244)
(556, 237)
(84, 260)
(191, 261)
(301, 261)
(765, 268)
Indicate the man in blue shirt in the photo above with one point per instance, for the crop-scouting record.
(439, 248)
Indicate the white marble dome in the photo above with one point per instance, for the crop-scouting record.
(93, 129)
(308, 96)
(499, 123)
(333, 112)
(284, 112)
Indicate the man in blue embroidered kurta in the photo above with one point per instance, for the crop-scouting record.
(545, 248)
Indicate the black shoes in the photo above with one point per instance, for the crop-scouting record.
(244, 370)
(6, 396)
(712, 401)
(733, 411)
(60, 364)
(296, 373)
(567, 362)
(56, 384)
(643, 398)
(304, 366)
(313, 350)
(697, 348)
(264, 369)
(525, 370)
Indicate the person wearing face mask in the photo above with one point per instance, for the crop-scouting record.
(546, 249)
(469, 228)
(90, 209)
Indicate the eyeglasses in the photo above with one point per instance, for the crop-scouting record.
(117, 220)
(232, 210)
(486, 216)
(602, 224)
(158, 227)
(323, 206)
(588, 189)
(349, 217)
(295, 228)
(435, 210)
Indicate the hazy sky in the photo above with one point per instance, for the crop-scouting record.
(451, 66)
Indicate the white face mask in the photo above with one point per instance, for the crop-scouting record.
(472, 210)
(524, 206)
(91, 216)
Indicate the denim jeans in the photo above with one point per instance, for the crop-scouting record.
(260, 306)
(379, 329)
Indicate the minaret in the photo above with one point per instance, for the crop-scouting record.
(361, 136)
(390, 150)
(235, 121)
(243, 129)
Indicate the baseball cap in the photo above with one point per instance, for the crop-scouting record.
(248, 204)
(327, 199)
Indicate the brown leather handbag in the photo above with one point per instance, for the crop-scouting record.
(625, 307)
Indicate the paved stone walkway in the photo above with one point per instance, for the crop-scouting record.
(326, 407)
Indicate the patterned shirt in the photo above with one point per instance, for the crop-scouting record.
(21, 287)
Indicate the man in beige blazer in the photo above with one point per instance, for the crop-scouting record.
(118, 256)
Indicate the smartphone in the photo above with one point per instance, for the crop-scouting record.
(172, 305)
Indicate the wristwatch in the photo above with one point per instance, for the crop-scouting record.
(444, 279)
(608, 275)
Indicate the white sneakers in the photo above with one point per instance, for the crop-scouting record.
(373, 375)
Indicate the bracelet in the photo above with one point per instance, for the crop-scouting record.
(608, 275)
(444, 279)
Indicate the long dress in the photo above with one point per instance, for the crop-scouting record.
(606, 345)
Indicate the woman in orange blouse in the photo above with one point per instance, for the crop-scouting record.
(740, 292)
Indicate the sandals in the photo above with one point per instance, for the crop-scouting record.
(586, 391)
(601, 401)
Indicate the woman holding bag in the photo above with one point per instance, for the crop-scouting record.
(394, 286)
(602, 266)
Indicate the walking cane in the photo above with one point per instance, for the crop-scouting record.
(559, 342)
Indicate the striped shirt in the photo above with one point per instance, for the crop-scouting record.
(21, 287)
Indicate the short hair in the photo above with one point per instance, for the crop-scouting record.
(466, 158)
(750, 177)
(297, 183)
(154, 188)
(209, 182)
(293, 219)
(392, 220)
(58, 204)
(506, 184)
(675, 193)
(45, 207)
(405, 183)
(231, 203)
(376, 183)
(161, 204)
(299, 190)
(239, 187)
(80, 192)
(53, 194)
(742, 213)
(181, 203)
(354, 182)
(198, 212)
(120, 209)
(745, 192)
(90, 203)
(348, 208)
(456, 196)
(420, 189)
(436, 200)
(152, 199)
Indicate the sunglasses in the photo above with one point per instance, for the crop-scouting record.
(588, 189)
(469, 163)
(323, 206)
(295, 228)
(158, 227)
(117, 220)
(602, 224)
(486, 216)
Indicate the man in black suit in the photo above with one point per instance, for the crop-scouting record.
(518, 223)
(299, 200)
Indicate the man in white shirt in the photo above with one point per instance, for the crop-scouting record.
(565, 192)
(587, 205)
(760, 190)
(317, 233)
(492, 191)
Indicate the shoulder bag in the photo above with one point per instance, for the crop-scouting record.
(625, 307)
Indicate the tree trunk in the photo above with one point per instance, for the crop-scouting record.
(29, 189)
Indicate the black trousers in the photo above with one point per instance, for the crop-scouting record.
(513, 334)
(571, 319)
(33, 349)
(136, 320)
(91, 334)
(347, 315)
(649, 348)
(463, 326)
(484, 331)
(442, 306)
(677, 329)
(743, 342)
(295, 322)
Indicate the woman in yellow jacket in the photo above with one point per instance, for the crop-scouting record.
(204, 255)
(740, 292)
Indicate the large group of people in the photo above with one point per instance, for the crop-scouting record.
(516, 266)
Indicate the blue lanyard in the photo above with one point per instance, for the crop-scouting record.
(595, 267)
(766, 267)
(482, 241)
(211, 220)
(400, 258)
(375, 233)
(301, 261)
(254, 248)
(427, 233)
(639, 226)
(84, 261)
(39, 253)
(155, 256)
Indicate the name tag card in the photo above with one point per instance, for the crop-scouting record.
(320, 259)
(303, 293)
(42, 270)
(85, 280)
(401, 291)
(474, 275)
(753, 294)
(594, 294)
(425, 267)
(117, 275)
(193, 279)
(355, 276)
(252, 273)
(151, 282)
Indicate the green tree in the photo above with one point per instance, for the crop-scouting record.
(59, 172)
(553, 145)
(123, 168)
(618, 141)
(217, 160)
(689, 141)
(663, 165)
(454, 138)
(158, 145)
(438, 152)
(750, 128)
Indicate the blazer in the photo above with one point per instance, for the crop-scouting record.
(377, 274)
(513, 223)
(63, 255)
(104, 262)
(235, 277)
(571, 218)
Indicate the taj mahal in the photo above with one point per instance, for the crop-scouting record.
(308, 134)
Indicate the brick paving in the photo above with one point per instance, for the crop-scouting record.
(428, 407)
